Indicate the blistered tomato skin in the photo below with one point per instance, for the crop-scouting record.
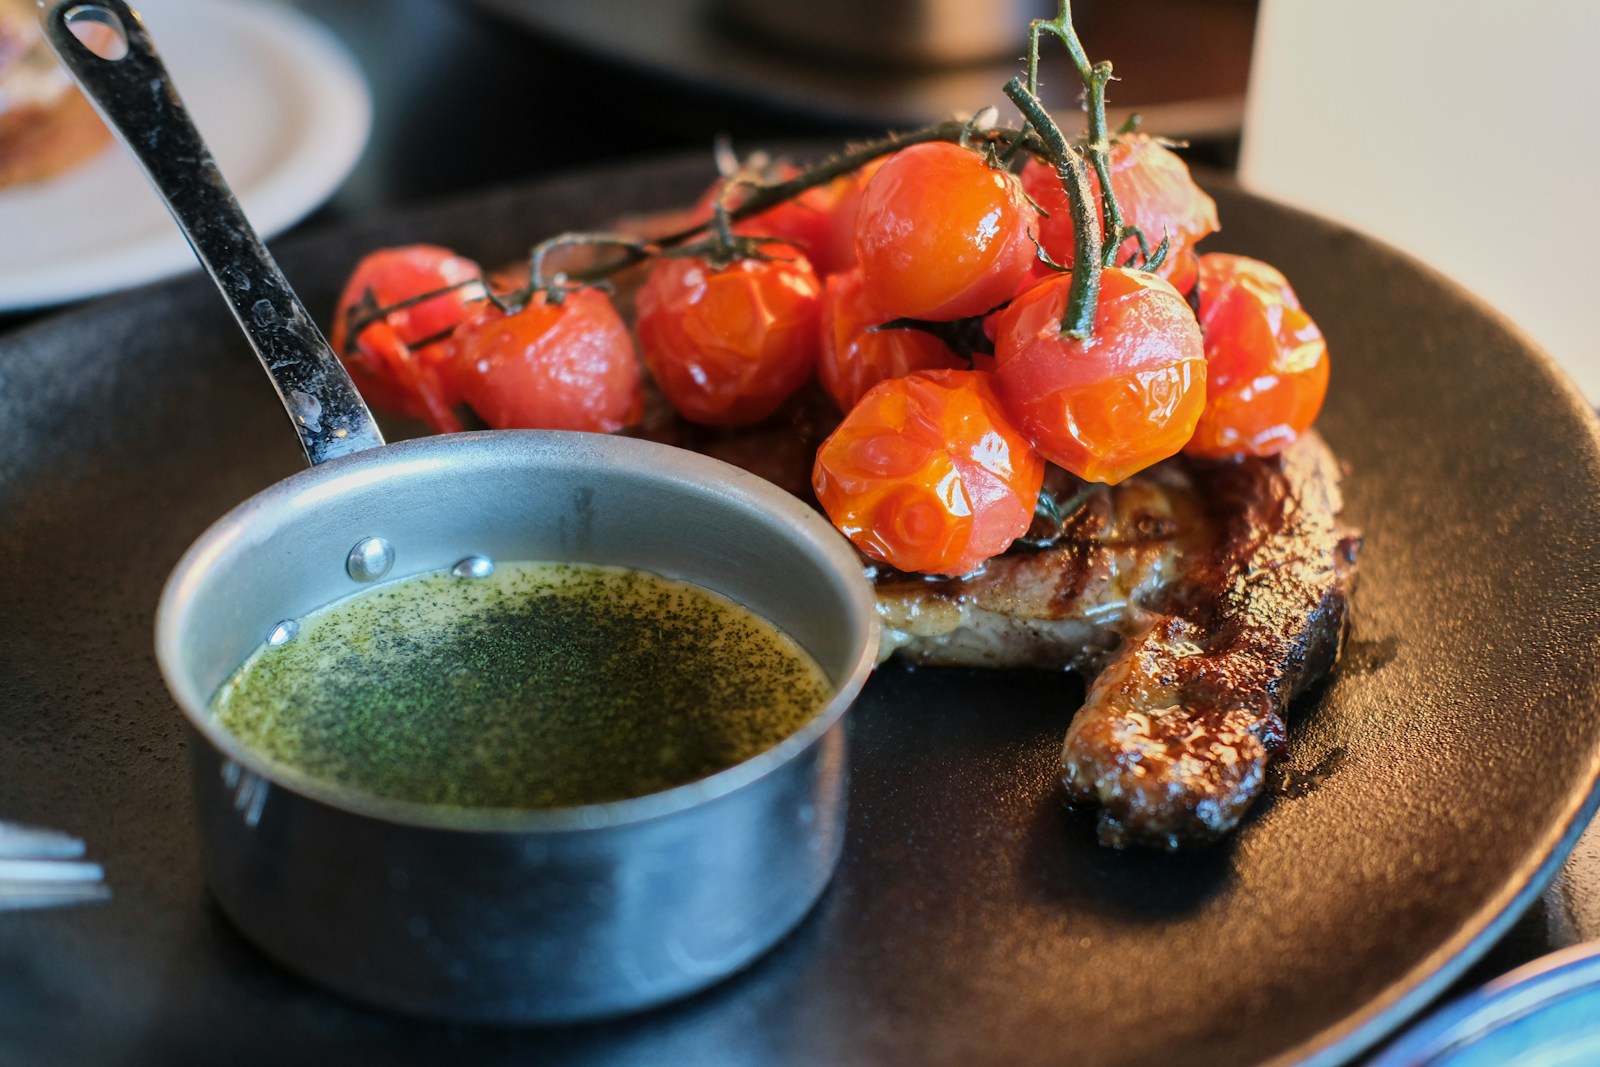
(1112, 405)
(942, 235)
(928, 474)
(1155, 193)
(399, 362)
(727, 347)
(854, 356)
(550, 366)
(1268, 362)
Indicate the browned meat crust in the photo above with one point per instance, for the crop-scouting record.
(1176, 732)
(1200, 596)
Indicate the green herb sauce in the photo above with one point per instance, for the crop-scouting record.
(542, 685)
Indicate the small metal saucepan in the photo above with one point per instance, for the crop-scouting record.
(475, 915)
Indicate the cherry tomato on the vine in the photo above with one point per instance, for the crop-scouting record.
(727, 347)
(942, 235)
(803, 220)
(1155, 193)
(854, 357)
(1109, 406)
(836, 251)
(550, 366)
(927, 473)
(399, 362)
(1267, 362)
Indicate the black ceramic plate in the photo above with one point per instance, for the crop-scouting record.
(974, 920)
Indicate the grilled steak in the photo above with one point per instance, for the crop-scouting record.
(1199, 596)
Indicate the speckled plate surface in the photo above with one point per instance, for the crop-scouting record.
(973, 921)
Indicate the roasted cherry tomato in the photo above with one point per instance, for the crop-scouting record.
(728, 346)
(1114, 404)
(1154, 191)
(550, 366)
(802, 221)
(1267, 363)
(942, 235)
(854, 357)
(399, 361)
(927, 473)
(836, 251)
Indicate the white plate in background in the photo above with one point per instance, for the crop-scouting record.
(283, 107)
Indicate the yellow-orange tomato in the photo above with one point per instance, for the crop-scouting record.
(854, 357)
(928, 474)
(399, 360)
(1112, 405)
(550, 366)
(727, 347)
(942, 235)
(1155, 192)
(1267, 361)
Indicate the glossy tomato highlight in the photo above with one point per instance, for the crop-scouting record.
(550, 366)
(928, 474)
(1114, 404)
(728, 346)
(1155, 192)
(399, 361)
(1267, 370)
(854, 356)
(942, 235)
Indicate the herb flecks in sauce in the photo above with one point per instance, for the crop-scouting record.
(543, 685)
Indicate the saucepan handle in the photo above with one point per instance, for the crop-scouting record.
(127, 82)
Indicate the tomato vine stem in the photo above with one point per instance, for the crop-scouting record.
(1078, 320)
(555, 286)
(1097, 147)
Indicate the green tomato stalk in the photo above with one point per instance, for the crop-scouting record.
(1078, 320)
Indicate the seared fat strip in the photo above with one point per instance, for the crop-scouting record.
(1174, 737)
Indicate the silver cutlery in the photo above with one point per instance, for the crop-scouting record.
(45, 869)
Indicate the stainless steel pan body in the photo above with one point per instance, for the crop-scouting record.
(475, 915)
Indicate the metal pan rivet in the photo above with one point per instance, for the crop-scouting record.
(369, 560)
(473, 567)
(283, 633)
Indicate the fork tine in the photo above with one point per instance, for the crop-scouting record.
(49, 871)
(28, 841)
(15, 896)
(42, 869)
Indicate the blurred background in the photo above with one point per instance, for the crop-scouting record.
(1451, 131)
(510, 88)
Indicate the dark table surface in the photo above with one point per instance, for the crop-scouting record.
(464, 102)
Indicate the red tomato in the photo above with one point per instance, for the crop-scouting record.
(942, 235)
(566, 366)
(928, 474)
(1112, 405)
(1154, 191)
(399, 362)
(728, 346)
(836, 251)
(854, 357)
(802, 221)
(1267, 363)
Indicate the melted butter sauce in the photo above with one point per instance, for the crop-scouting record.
(542, 685)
